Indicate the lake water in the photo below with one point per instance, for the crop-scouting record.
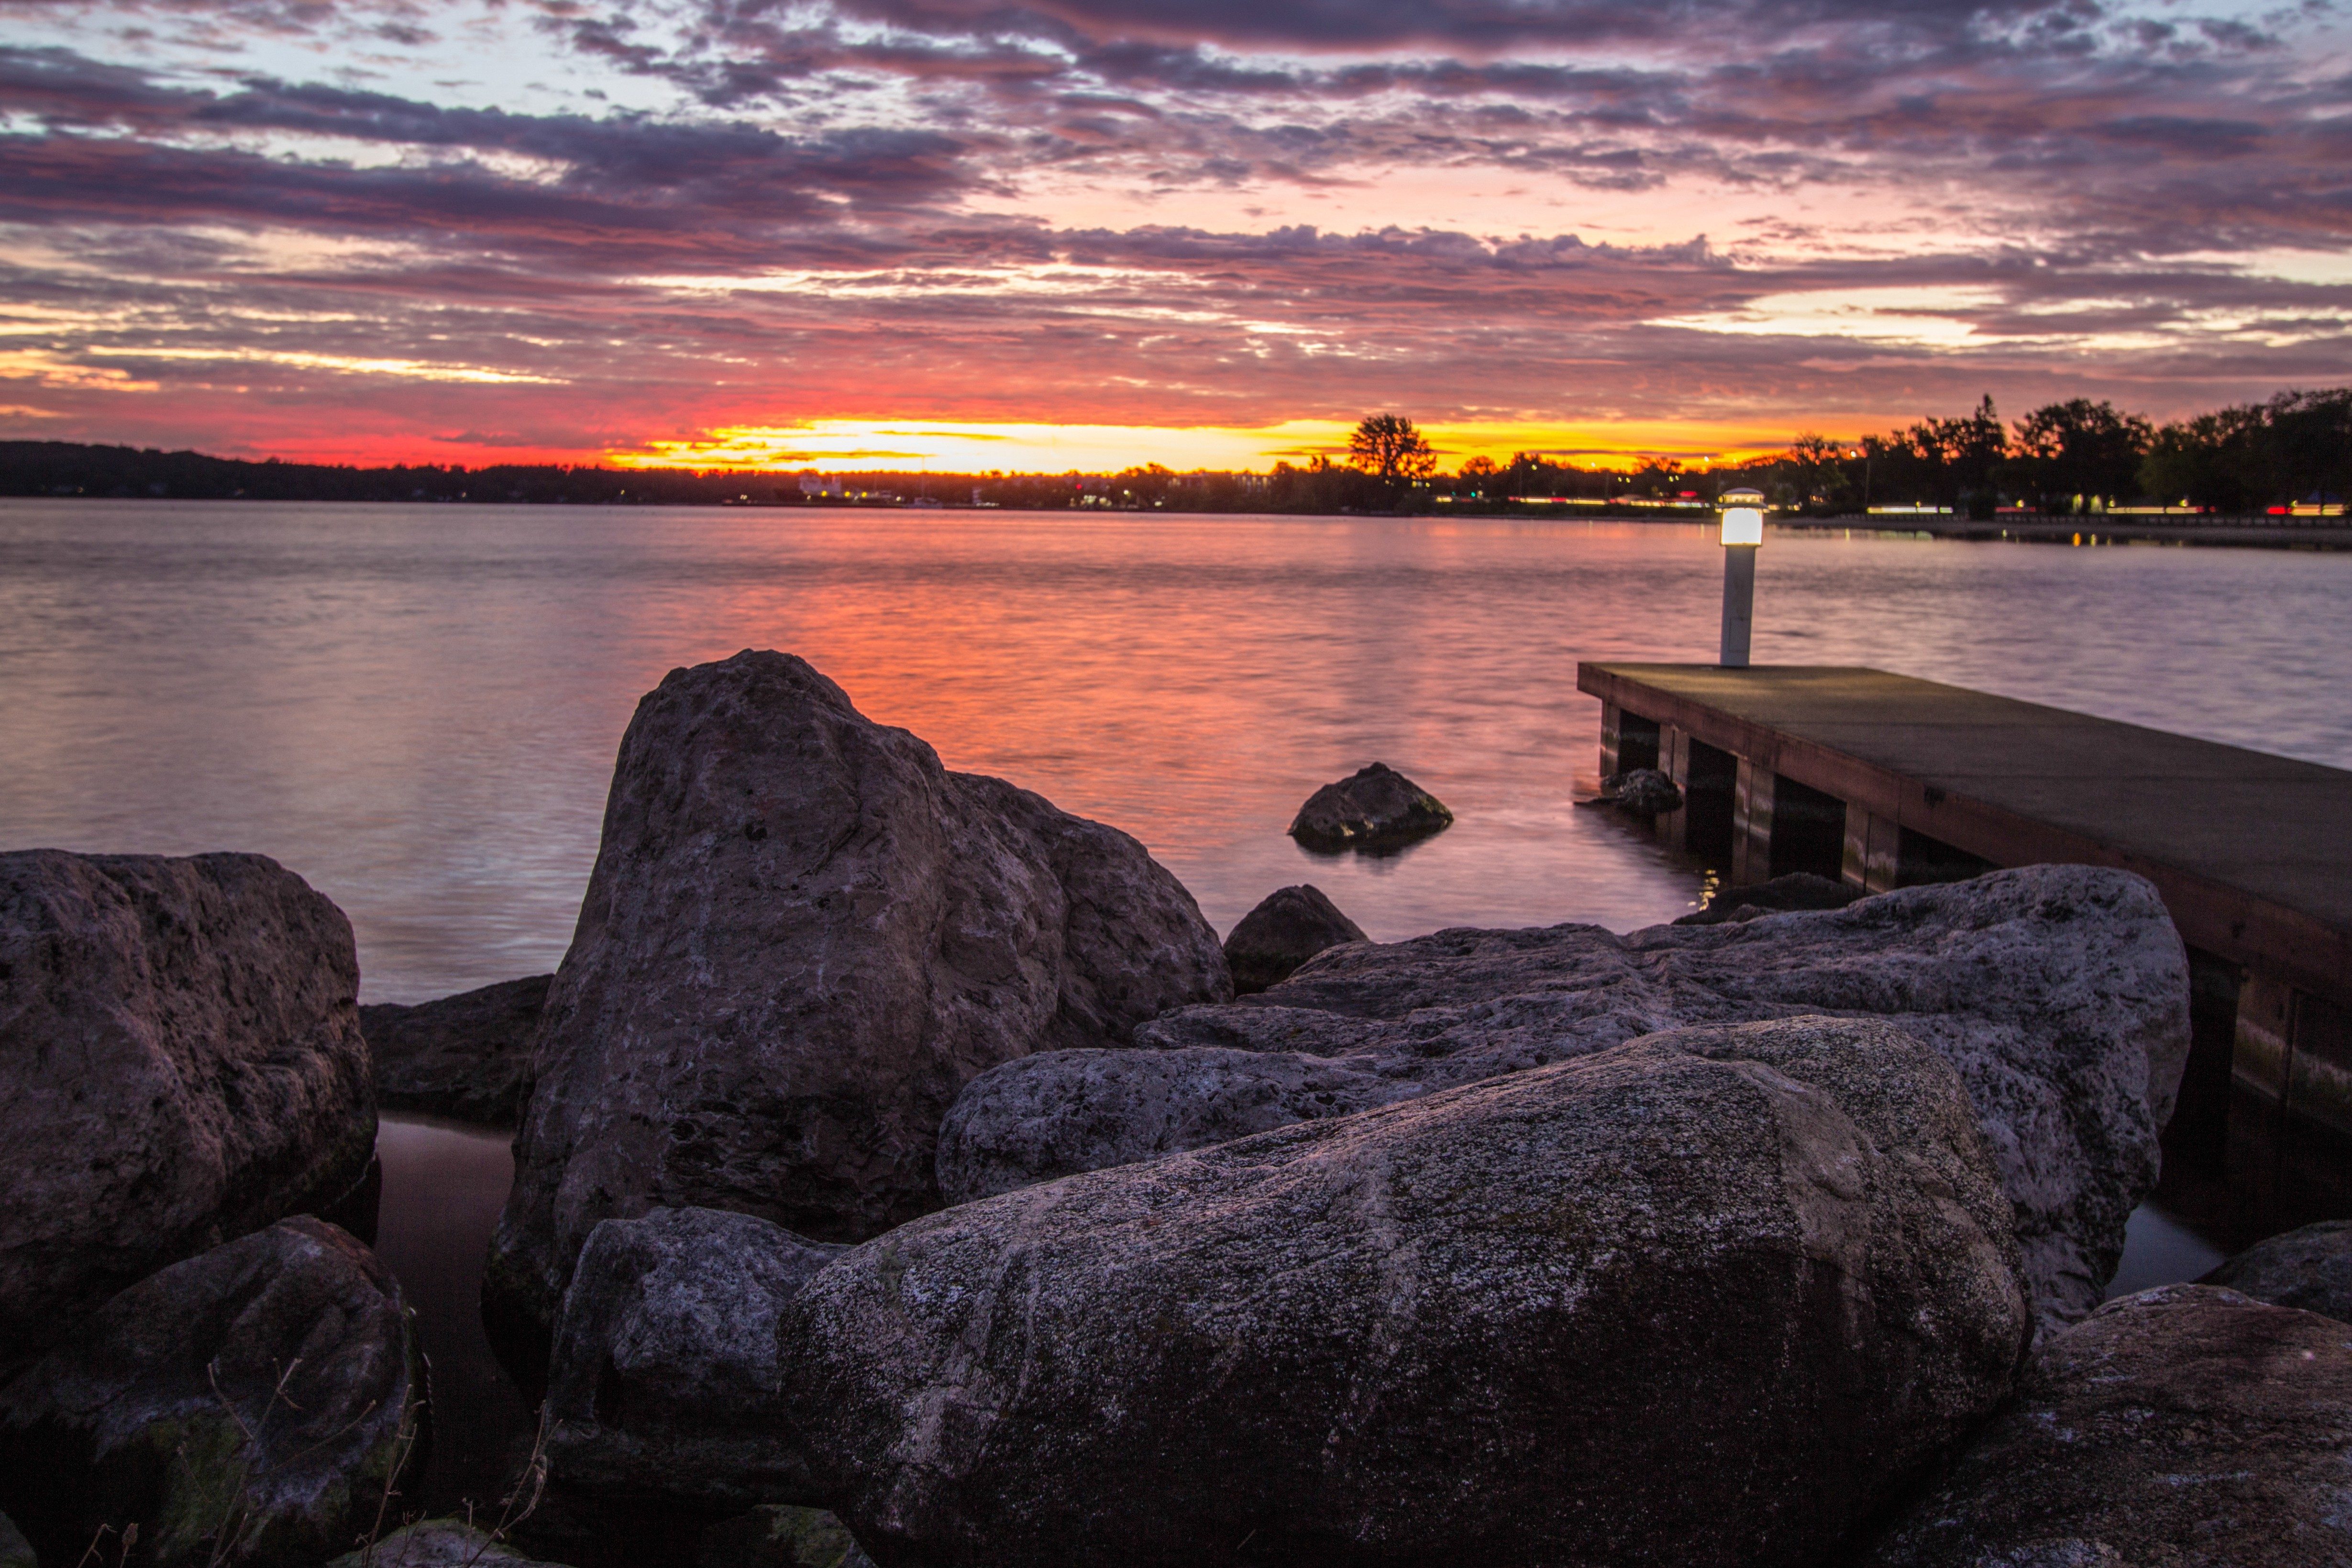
(417, 707)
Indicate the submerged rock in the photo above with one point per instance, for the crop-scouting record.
(666, 1374)
(180, 1063)
(1797, 891)
(466, 1056)
(1290, 926)
(2185, 1425)
(802, 938)
(249, 1405)
(1645, 791)
(1708, 1298)
(2060, 992)
(439, 1543)
(2310, 1269)
(1376, 807)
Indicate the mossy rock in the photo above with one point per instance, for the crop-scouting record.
(15, 1551)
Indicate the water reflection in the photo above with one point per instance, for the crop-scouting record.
(443, 1186)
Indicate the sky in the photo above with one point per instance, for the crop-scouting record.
(867, 234)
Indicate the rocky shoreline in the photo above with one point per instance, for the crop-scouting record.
(907, 1174)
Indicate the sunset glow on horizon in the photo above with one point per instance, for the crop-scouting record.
(847, 446)
(871, 233)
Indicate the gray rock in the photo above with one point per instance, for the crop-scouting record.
(439, 1543)
(2184, 1425)
(781, 1536)
(466, 1056)
(1798, 891)
(666, 1372)
(2310, 1269)
(802, 937)
(1645, 791)
(2060, 992)
(180, 1063)
(1288, 927)
(15, 1551)
(1376, 807)
(251, 1406)
(1709, 1297)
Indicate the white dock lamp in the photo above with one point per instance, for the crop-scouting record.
(1743, 533)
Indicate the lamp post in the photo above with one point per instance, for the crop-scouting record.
(1743, 534)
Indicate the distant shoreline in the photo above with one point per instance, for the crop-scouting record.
(2258, 532)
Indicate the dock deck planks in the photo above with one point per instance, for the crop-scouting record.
(2253, 852)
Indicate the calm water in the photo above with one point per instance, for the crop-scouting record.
(417, 708)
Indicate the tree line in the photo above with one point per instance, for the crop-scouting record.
(2080, 456)
(2070, 456)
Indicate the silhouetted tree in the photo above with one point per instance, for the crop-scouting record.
(2077, 449)
(1388, 448)
(1816, 471)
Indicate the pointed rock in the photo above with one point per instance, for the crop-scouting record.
(802, 938)
(1290, 926)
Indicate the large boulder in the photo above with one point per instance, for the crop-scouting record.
(2059, 993)
(180, 1063)
(666, 1370)
(252, 1404)
(2185, 1425)
(1289, 926)
(1710, 1297)
(2310, 1269)
(1375, 807)
(466, 1056)
(802, 937)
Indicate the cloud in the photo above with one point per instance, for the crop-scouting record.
(1146, 213)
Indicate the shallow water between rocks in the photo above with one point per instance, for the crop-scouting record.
(417, 707)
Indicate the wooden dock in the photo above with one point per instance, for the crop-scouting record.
(1885, 781)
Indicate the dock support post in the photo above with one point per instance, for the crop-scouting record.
(1873, 847)
(1673, 827)
(1612, 719)
(2290, 1126)
(1739, 603)
(1751, 824)
(2260, 1065)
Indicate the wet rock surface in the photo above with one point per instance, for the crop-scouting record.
(2059, 993)
(1288, 927)
(2310, 1269)
(466, 1056)
(1798, 891)
(2186, 1425)
(180, 1063)
(251, 1406)
(1708, 1298)
(666, 1372)
(802, 938)
(1376, 807)
(1645, 791)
